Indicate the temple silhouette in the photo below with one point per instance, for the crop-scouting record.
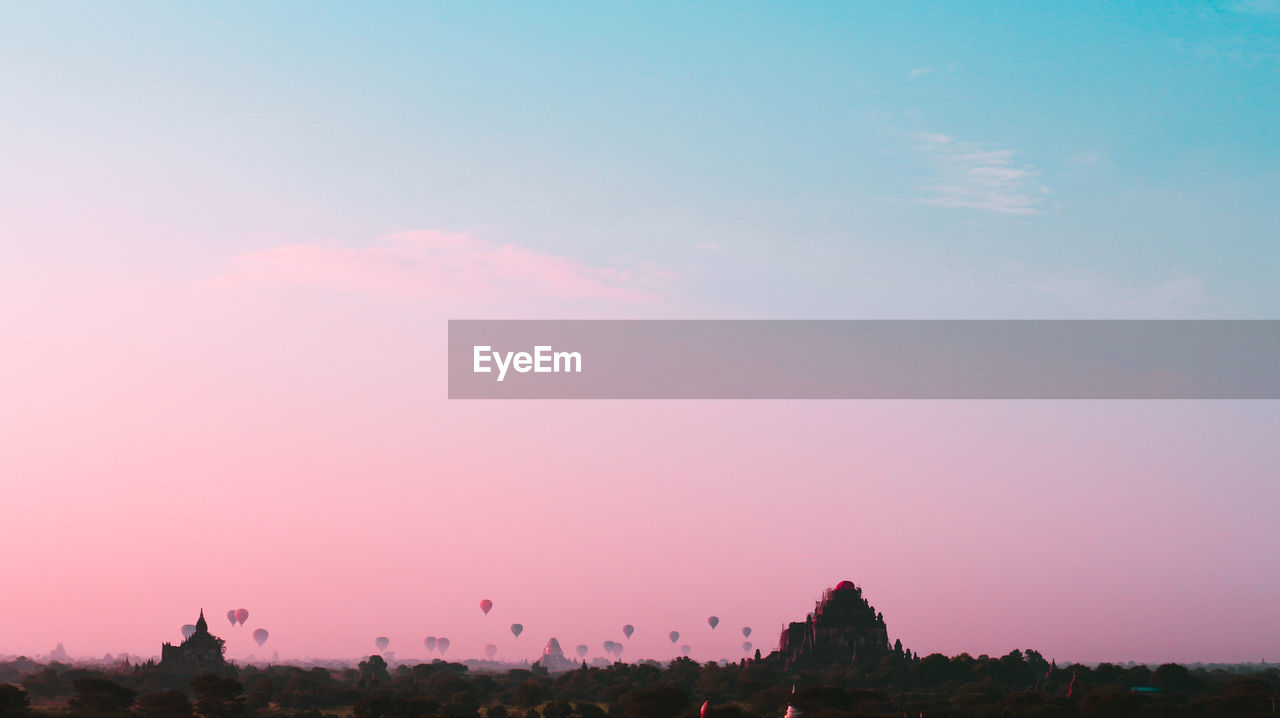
(553, 658)
(201, 650)
(843, 628)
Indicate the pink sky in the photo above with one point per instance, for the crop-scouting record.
(288, 449)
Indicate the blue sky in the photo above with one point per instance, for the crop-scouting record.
(814, 159)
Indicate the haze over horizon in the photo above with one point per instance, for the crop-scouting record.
(231, 236)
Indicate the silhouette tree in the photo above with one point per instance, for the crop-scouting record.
(13, 700)
(1172, 677)
(164, 704)
(218, 697)
(373, 672)
(530, 693)
(99, 695)
(463, 703)
(663, 699)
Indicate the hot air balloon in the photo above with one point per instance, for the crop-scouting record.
(617, 649)
(242, 615)
(685, 649)
(582, 651)
(674, 636)
(187, 630)
(608, 647)
(706, 709)
(516, 629)
(382, 642)
(491, 650)
(442, 644)
(746, 631)
(486, 605)
(260, 636)
(746, 646)
(430, 643)
(231, 616)
(713, 621)
(628, 629)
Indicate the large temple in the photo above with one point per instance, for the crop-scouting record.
(843, 628)
(553, 658)
(200, 650)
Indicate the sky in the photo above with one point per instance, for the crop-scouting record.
(231, 236)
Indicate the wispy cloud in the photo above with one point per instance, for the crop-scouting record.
(917, 72)
(440, 265)
(968, 174)
(1087, 158)
(1257, 7)
(1091, 294)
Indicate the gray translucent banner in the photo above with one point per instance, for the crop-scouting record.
(864, 359)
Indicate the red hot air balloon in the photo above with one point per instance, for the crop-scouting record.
(486, 606)
(674, 636)
(430, 643)
(231, 616)
(582, 651)
(491, 651)
(706, 709)
(713, 621)
(187, 631)
(260, 636)
(628, 629)
(382, 642)
(242, 615)
(516, 629)
(746, 631)
(442, 644)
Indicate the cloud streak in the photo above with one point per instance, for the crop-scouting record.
(969, 175)
(438, 265)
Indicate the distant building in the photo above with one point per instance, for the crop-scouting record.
(553, 658)
(843, 628)
(201, 650)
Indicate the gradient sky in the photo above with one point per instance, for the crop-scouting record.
(230, 236)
